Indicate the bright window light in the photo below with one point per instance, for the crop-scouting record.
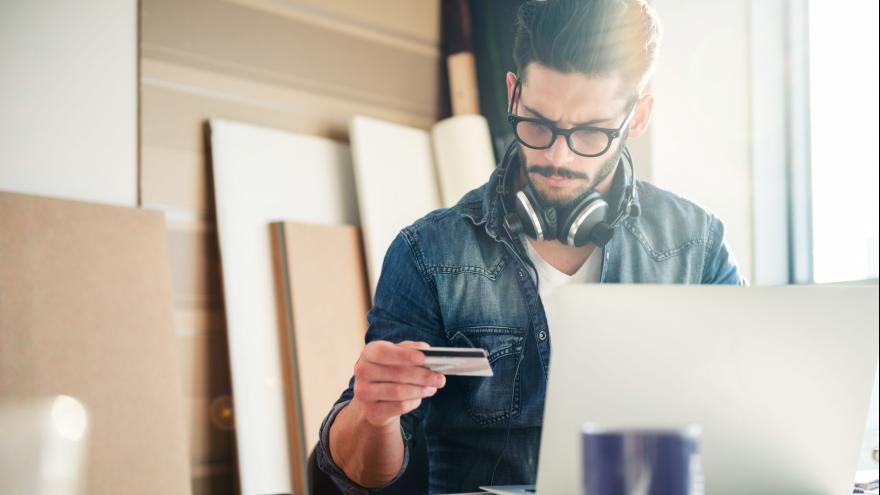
(844, 130)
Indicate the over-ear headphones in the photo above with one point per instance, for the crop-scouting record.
(586, 222)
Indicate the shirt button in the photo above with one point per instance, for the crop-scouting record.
(520, 274)
(542, 335)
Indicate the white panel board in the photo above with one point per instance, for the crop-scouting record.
(396, 183)
(69, 99)
(463, 153)
(260, 176)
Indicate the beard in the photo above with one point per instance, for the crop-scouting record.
(563, 203)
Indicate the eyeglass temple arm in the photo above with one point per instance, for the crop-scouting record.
(629, 117)
(517, 88)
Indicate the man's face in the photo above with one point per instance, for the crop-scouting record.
(558, 175)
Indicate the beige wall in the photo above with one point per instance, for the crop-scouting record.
(299, 65)
(701, 136)
(68, 94)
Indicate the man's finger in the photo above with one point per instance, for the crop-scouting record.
(388, 354)
(415, 345)
(412, 375)
(391, 391)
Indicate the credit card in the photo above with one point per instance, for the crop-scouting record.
(459, 361)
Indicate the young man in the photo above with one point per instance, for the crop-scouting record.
(563, 207)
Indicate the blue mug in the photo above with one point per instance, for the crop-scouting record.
(641, 462)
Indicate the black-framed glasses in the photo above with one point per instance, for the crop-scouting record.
(582, 140)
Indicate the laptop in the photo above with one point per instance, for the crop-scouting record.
(778, 378)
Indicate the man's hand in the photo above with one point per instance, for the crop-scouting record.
(365, 439)
(390, 381)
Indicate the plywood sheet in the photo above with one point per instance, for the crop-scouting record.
(396, 183)
(323, 286)
(85, 310)
(260, 176)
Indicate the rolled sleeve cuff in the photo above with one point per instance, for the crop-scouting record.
(325, 461)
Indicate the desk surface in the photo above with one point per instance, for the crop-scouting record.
(861, 476)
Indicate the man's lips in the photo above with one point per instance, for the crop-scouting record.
(556, 180)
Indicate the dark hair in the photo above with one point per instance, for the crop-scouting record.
(594, 37)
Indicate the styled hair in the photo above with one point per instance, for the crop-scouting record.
(593, 37)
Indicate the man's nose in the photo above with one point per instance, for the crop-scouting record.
(559, 153)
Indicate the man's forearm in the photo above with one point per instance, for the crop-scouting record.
(370, 456)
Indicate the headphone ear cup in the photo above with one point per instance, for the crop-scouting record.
(546, 216)
(577, 228)
(601, 234)
(531, 216)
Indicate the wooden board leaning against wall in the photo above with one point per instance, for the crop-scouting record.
(85, 311)
(257, 61)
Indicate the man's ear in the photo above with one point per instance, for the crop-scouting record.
(511, 83)
(642, 117)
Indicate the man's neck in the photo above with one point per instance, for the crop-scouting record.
(566, 259)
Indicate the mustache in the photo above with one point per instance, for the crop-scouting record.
(550, 171)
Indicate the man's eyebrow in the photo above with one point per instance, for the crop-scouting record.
(588, 123)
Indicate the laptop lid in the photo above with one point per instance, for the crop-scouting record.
(778, 378)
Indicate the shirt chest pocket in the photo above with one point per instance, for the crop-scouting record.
(496, 398)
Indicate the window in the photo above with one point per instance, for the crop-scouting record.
(843, 81)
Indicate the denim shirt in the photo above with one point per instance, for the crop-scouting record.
(457, 278)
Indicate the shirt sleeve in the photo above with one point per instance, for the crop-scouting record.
(405, 307)
(720, 266)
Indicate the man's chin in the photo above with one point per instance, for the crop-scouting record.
(558, 195)
(560, 199)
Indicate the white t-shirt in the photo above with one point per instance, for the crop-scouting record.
(550, 279)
